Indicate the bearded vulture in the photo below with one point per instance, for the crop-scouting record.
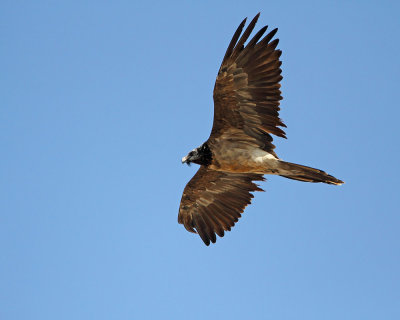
(239, 150)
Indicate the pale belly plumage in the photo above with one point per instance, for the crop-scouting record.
(235, 157)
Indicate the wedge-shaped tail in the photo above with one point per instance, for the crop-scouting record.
(307, 174)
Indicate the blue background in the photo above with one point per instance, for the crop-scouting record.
(99, 102)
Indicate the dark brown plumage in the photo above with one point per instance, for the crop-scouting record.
(213, 201)
(239, 149)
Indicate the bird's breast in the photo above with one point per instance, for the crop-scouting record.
(240, 158)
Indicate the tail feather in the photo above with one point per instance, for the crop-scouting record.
(302, 173)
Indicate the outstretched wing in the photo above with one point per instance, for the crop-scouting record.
(246, 92)
(213, 201)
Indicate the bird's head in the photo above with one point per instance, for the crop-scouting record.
(192, 156)
(200, 155)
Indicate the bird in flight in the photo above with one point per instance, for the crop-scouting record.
(239, 150)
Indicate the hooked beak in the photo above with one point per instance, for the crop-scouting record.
(186, 160)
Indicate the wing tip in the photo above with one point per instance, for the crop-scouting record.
(256, 17)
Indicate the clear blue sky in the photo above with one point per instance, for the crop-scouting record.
(99, 101)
